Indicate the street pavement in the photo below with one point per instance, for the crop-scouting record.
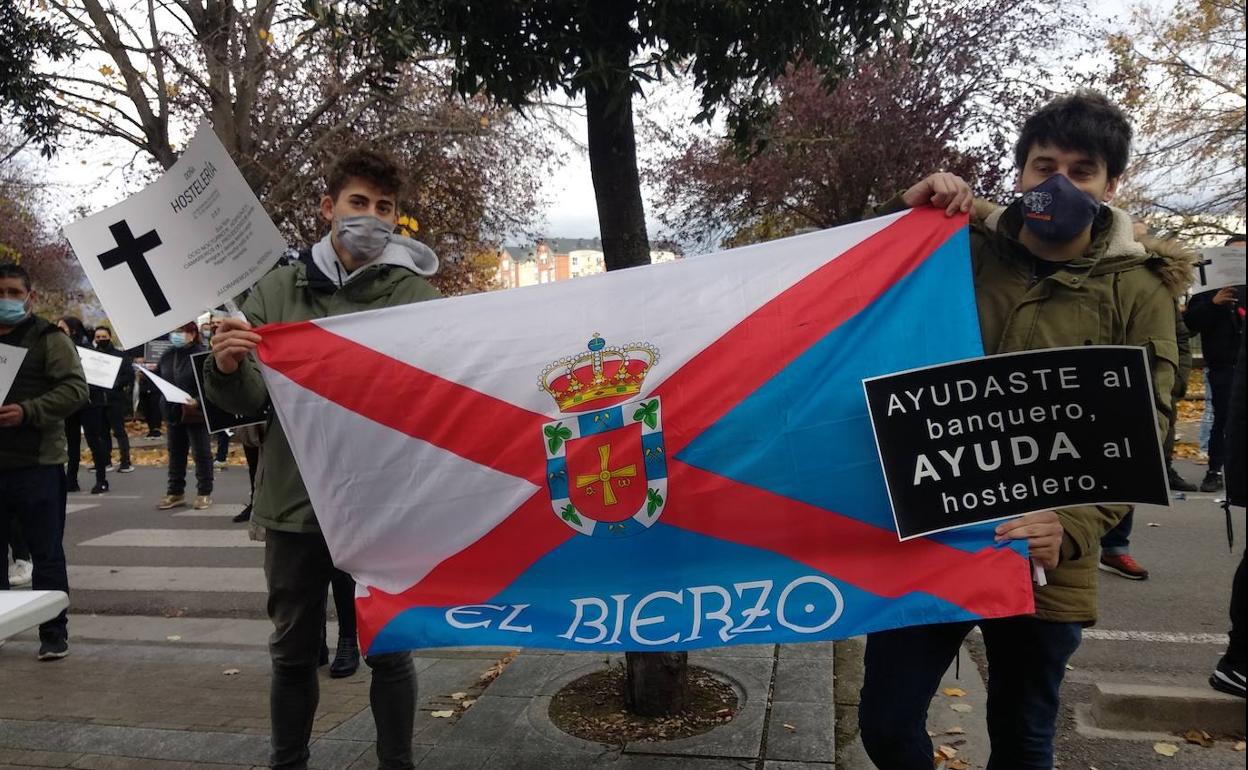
(166, 603)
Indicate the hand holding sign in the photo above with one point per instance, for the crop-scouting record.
(1043, 532)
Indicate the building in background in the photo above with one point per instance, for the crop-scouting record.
(558, 259)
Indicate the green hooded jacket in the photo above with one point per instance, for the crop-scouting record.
(1117, 293)
(49, 386)
(298, 292)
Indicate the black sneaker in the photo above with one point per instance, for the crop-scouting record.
(1226, 679)
(1212, 482)
(100, 488)
(1178, 483)
(243, 515)
(72, 486)
(153, 434)
(126, 468)
(346, 659)
(54, 650)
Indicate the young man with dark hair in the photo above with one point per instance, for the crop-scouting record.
(359, 265)
(1218, 317)
(1057, 267)
(49, 386)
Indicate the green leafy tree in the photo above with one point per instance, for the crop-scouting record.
(26, 93)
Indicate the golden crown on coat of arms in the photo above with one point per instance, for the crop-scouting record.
(601, 376)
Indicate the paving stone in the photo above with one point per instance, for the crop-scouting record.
(104, 762)
(741, 651)
(454, 758)
(488, 722)
(807, 650)
(772, 764)
(741, 738)
(812, 737)
(572, 666)
(369, 760)
(525, 676)
(336, 755)
(803, 680)
(750, 676)
(171, 745)
(37, 758)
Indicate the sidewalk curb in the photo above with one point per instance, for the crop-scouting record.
(1147, 708)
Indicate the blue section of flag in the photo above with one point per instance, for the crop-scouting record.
(655, 562)
(601, 421)
(557, 477)
(806, 434)
(654, 453)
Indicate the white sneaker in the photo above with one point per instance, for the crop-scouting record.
(20, 572)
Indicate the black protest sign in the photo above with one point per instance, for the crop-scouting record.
(215, 417)
(154, 349)
(1000, 436)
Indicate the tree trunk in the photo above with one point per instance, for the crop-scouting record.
(617, 186)
(656, 683)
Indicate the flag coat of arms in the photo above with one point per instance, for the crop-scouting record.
(670, 457)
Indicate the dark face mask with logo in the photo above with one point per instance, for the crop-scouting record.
(1057, 211)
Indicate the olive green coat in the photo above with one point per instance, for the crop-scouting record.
(283, 296)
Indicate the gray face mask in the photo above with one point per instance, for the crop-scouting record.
(365, 237)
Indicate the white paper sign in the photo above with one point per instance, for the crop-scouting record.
(172, 393)
(1219, 267)
(192, 239)
(10, 361)
(101, 368)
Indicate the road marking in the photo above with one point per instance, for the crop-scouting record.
(176, 538)
(108, 496)
(1170, 637)
(79, 507)
(210, 579)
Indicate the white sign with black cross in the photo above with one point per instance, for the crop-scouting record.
(192, 239)
(1218, 268)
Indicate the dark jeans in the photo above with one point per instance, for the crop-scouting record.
(1026, 661)
(1220, 383)
(223, 446)
(252, 453)
(35, 496)
(1236, 654)
(21, 551)
(343, 586)
(149, 404)
(89, 422)
(179, 438)
(1117, 541)
(298, 570)
(115, 417)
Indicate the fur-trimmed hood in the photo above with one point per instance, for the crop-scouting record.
(1173, 263)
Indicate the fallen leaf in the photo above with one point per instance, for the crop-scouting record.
(1198, 737)
(441, 714)
(957, 764)
(459, 695)
(955, 731)
(961, 708)
(1153, 524)
(790, 727)
(1166, 749)
(931, 734)
(173, 638)
(948, 752)
(954, 692)
(1069, 667)
(468, 702)
(1239, 745)
(231, 672)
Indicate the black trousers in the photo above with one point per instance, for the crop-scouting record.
(1220, 383)
(149, 404)
(115, 419)
(89, 422)
(1238, 651)
(298, 570)
(35, 496)
(179, 439)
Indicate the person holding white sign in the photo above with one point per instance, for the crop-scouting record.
(187, 430)
(87, 421)
(49, 387)
(1218, 317)
(119, 399)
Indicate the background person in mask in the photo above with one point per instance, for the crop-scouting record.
(89, 421)
(186, 428)
(1047, 269)
(49, 386)
(118, 401)
(358, 265)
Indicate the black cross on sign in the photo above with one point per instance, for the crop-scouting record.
(1201, 267)
(130, 251)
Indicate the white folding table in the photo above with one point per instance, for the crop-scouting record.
(22, 610)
